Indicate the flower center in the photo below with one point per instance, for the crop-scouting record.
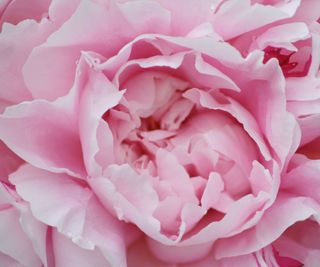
(150, 124)
(289, 61)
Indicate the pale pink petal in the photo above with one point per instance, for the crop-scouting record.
(302, 88)
(235, 17)
(170, 170)
(187, 14)
(107, 233)
(212, 191)
(68, 254)
(61, 10)
(239, 214)
(36, 232)
(15, 243)
(300, 242)
(73, 209)
(236, 110)
(136, 188)
(43, 134)
(191, 215)
(63, 48)
(63, 208)
(168, 213)
(263, 96)
(283, 36)
(261, 179)
(304, 180)
(13, 56)
(286, 211)
(8, 261)
(309, 127)
(307, 11)
(315, 55)
(303, 109)
(99, 95)
(117, 204)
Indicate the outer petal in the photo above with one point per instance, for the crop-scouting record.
(15, 243)
(73, 209)
(300, 242)
(304, 180)
(15, 48)
(68, 254)
(139, 255)
(18, 10)
(44, 135)
(187, 14)
(13, 56)
(9, 162)
(64, 209)
(283, 36)
(273, 223)
(83, 32)
(234, 17)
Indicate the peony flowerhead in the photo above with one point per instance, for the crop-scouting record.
(159, 133)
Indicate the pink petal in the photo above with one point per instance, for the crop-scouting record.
(309, 128)
(68, 254)
(187, 14)
(64, 209)
(261, 179)
(171, 171)
(9, 162)
(283, 36)
(13, 56)
(15, 243)
(8, 261)
(236, 110)
(43, 134)
(308, 83)
(99, 96)
(63, 47)
(136, 188)
(19, 10)
(212, 191)
(300, 242)
(73, 209)
(304, 180)
(235, 17)
(178, 254)
(139, 255)
(286, 211)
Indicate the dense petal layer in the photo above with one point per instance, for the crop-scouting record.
(99, 95)
(68, 254)
(273, 223)
(24, 237)
(83, 32)
(74, 210)
(235, 17)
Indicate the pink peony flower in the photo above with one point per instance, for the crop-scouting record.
(159, 133)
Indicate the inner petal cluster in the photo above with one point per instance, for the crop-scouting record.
(189, 154)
